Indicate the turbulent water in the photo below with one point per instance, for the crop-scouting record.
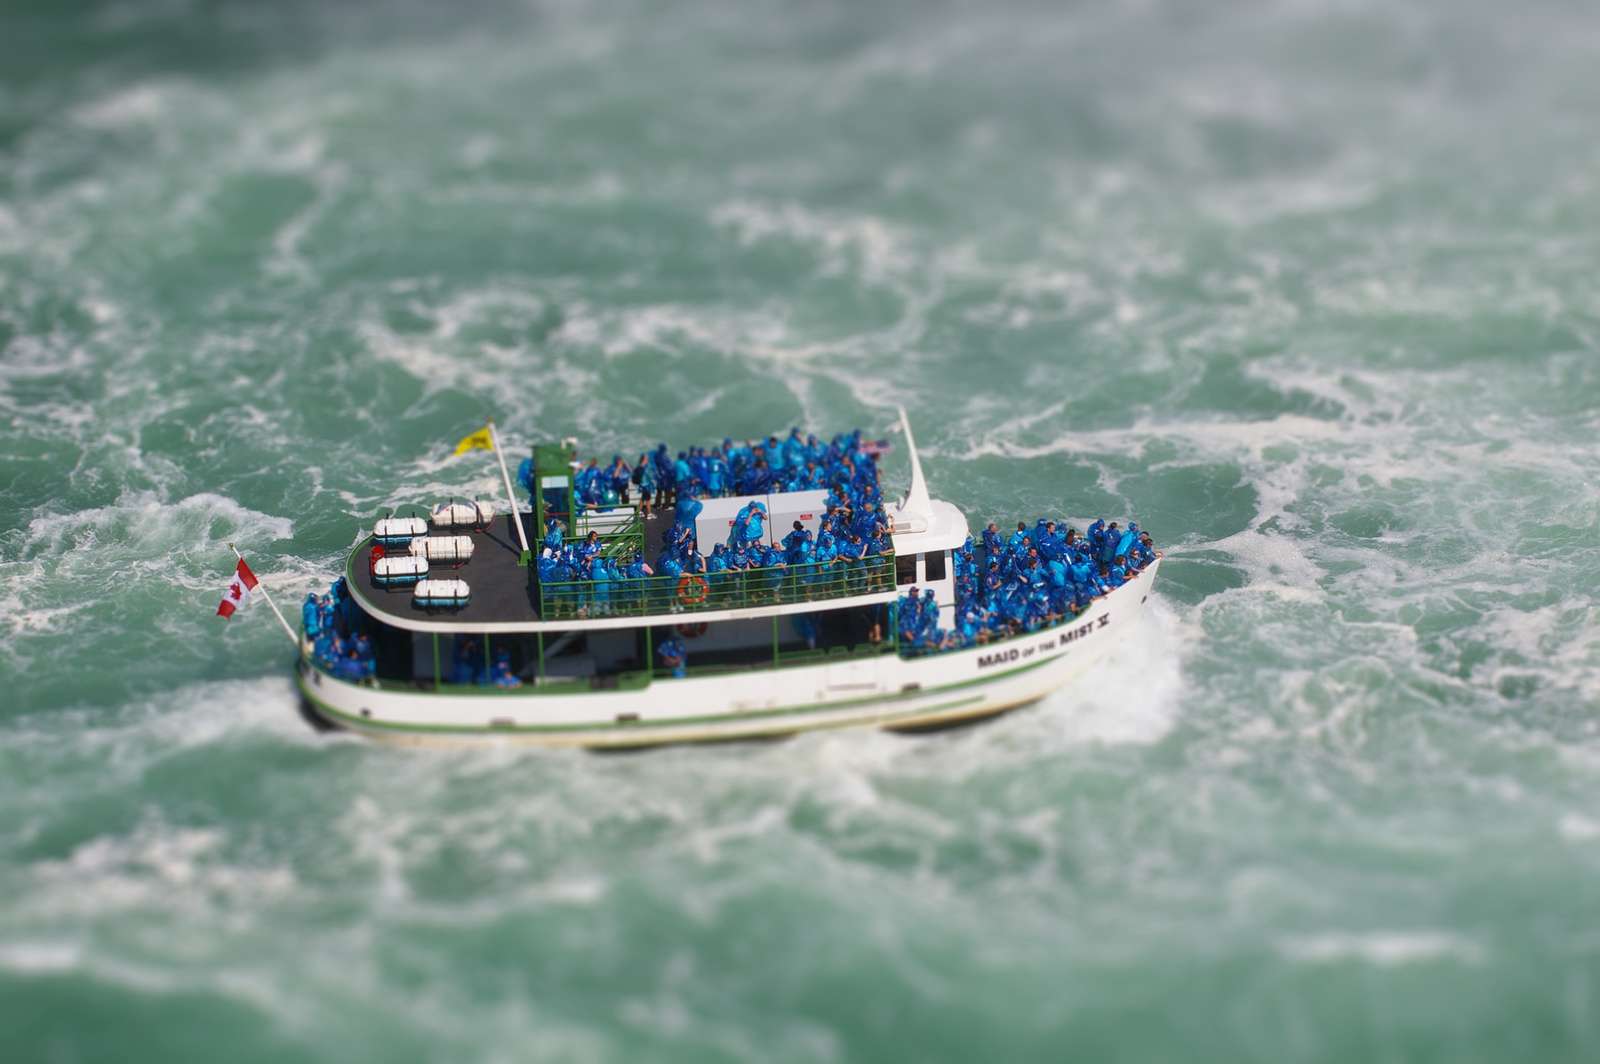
(1307, 287)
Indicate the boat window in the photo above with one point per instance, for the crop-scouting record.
(935, 565)
(905, 569)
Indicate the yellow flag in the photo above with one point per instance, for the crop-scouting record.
(480, 438)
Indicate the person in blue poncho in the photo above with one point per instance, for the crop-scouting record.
(674, 657)
(993, 545)
(671, 567)
(553, 538)
(1048, 543)
(754, 525)
(851, 552)
(1127, 541)
(909, 608)
(928, 616)
(1019, 541)
(468, 665)
(682, 476)
(737, 528)
(758, 478)
(689, 508)
(1096, 532)
(525, 477)
(824, 558)
(718, 475)
(620, 476)
(776, 569)
(644, 478)
(500, 674)
(662, 461)
(601, 580)
(805, 626)
(309, 618)
(797, 544)
(327, 648)
(1109, 540)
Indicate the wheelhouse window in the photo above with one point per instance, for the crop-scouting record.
(934, 566)
(905, 569)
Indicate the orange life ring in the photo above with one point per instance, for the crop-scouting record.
(693, 631)
(692, 589)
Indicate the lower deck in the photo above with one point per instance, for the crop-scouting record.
(587, 691)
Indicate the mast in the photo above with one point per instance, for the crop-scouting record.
(916, 508)
(263, 589)
(511, 498)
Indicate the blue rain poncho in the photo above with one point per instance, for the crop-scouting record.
(797, 546)
(736, 530)
(674, 657)
(310, 619)
(501, 675)
(717, 474)
(754, 528)
(805, 627)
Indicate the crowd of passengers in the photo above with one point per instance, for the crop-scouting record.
(846, 464)
(1028, 581)
(348, 656)
(853, 529)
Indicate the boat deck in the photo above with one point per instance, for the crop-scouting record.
(503, 590)
(505, 593)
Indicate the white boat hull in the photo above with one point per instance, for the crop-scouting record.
(885, 691)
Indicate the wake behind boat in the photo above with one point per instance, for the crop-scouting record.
(734, 592)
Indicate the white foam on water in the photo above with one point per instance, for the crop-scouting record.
(858, 245)
(1577, 828)
(134, 105)
(1384, 949)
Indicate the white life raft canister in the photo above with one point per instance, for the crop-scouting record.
(399, 570)
(441, 594)
(398, 531)
(450, 516)
(444, 550)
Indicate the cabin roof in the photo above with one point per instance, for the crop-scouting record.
(505, 594)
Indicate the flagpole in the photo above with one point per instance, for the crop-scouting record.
(516, 519)
(263, 588)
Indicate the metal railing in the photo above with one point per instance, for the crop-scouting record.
(620, 527)
(737, 589)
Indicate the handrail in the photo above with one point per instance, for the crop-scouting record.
(732, 589)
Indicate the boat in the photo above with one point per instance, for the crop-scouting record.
(505, 650)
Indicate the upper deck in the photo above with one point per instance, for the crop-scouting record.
(507, 596)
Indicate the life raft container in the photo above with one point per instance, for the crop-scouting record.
(398, 570)
(454, 551)
(441, 594)
(462, 516)
(398, 531)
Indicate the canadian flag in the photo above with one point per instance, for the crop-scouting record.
(238, 593)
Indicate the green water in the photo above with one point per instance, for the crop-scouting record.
(1307, 288)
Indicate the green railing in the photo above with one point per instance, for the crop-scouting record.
(790, 659)
(620, 529)
(691, 593)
